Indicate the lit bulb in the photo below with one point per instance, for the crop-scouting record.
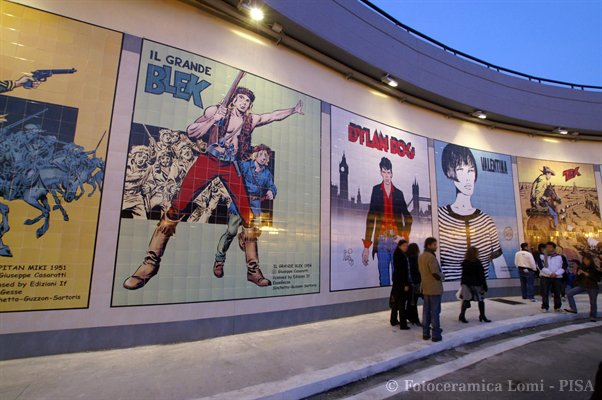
(256, 14)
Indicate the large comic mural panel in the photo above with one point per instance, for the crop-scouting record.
(379, 194)
(221, 194)
(559, 202)
(55, 111)
(475, 191)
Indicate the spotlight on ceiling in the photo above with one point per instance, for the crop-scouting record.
(255, 12)
(561, 131)
(389, 81)
(479, 114)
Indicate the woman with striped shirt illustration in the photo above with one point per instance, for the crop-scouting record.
(461, 225)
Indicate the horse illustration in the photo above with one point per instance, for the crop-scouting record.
(540, 223)
(59, 182)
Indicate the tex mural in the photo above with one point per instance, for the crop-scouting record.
(379, 194)
(228, 159)
(475, 191)
(559, 202)
(57, 83)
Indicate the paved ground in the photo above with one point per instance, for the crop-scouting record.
(529, 371)
(562, 367)
(272, 363)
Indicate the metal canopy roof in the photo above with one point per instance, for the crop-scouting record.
(363, 44)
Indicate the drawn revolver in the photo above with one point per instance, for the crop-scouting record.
(42, 74)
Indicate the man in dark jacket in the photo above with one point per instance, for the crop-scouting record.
(400, 292)
(388, 221)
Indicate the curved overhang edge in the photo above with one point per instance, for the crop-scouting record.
(373, 45)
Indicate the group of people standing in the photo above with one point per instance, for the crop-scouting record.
(418, 275)
(555, 274)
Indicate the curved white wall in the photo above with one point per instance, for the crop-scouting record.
(184, 26)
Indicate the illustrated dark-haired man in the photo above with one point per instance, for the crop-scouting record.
(227, 129)
(388, 221)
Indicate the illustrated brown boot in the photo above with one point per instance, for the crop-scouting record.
(218, 269)
(255, 275)
(165, 229)
(247, 241)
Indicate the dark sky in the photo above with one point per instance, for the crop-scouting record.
(559, 40)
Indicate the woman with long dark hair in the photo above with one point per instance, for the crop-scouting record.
(474, 284)
(414, 278)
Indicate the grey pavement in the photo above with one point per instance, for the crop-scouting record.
(560, 367)
(286, 363)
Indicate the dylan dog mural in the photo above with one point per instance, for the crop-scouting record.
(55, 109)
(221, 193)
(379, 194)
(559, 202)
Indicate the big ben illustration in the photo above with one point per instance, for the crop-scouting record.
(343, 175)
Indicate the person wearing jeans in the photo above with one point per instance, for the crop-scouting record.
(551, 277)
(525, 263)
(586, 281)
(432, 290)
(388, 221)
(385, 250)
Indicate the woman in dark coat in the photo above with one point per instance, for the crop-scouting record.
(400, 292)
(474, 285)
(414, 277)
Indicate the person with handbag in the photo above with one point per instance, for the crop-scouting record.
(586, 280)
(414, 277)
(400, 292)
(473, 284)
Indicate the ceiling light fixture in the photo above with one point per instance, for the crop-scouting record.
(479, 114)
(561, 131)
(389, 81)
(255, 12)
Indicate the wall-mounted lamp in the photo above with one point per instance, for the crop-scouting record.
(479, 114)
(255, 12)
(389, 81)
